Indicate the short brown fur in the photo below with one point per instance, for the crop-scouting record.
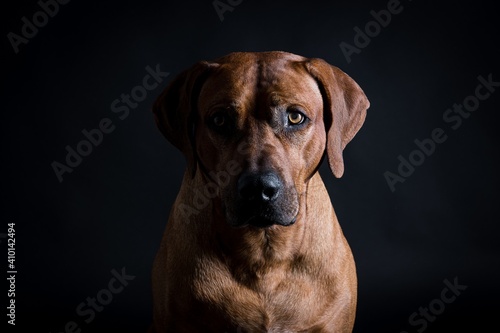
(210, 276)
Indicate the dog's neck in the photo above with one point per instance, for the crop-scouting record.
(253, 251)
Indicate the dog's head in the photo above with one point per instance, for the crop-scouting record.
(256, 126)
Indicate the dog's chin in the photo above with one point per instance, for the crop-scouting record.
(261, 222)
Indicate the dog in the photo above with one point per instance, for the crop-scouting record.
(252, 243)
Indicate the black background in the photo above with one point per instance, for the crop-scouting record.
(110, 212)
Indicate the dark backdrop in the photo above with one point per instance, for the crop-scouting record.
(110, 211)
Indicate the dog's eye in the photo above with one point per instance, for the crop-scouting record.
(295, 118)
(218, 120)
(221, 122)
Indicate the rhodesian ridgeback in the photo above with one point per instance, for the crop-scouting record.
(252, 243)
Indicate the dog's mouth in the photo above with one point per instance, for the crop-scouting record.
(261, 200)
(263, 222)
(265, 217)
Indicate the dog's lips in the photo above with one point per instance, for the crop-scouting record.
(240, 214)
(263, 222)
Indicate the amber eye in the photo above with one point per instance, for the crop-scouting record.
(295, 118)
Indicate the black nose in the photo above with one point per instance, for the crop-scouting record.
(259, 187)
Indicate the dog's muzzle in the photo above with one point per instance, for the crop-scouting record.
(262, 200)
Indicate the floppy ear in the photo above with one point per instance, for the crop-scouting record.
(175, 110)
(344, 110)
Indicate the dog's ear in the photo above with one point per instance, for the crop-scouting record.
(344, 110)
(175, 109)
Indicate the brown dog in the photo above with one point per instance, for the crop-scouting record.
(252, 243)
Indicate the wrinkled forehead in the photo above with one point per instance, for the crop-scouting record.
(274, 81)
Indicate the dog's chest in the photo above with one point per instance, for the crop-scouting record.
(270, 301)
